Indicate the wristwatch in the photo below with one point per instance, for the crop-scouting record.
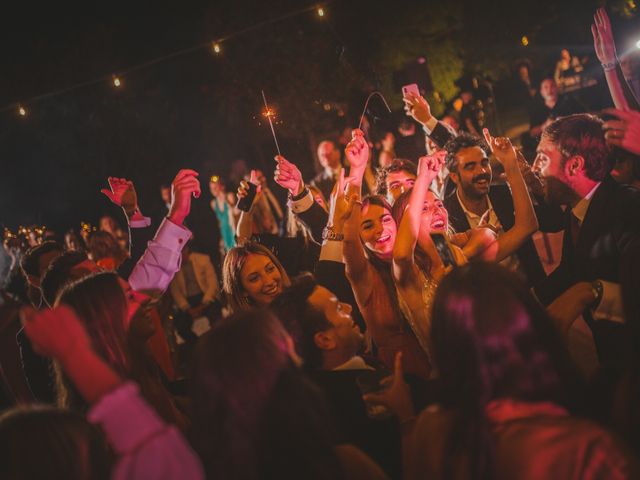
(330, 234)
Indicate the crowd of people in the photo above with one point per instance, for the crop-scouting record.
(393, 320)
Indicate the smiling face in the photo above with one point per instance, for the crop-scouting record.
(260, 279)
(435, 214)
(378, 231)
(344, 334)
(472, 174)
(550, 166)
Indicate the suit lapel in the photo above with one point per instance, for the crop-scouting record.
(596, 218)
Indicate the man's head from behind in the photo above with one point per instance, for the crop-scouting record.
(324, 332)
(328, 154)
(67, 268)
(37, 259)
(469, 166)
(571, 157)
(397, 178)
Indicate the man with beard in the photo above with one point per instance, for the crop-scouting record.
(475, 202)
(602, 229)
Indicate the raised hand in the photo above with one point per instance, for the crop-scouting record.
(357, 150)
(243, 188)
(397, 397)
(342, 202)
(430, 165)
(185, 186)
(55, 332)
(502, 148)
(625, 132)
(288, 176)
(417, 108)
(121, 192)
(603, 41)
(533, 181)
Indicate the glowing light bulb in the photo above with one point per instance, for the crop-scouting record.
(116, 82)
(320, 12)
(524, 40)
(638, 44)
(214, 178)
(216, 47)
(22, 111)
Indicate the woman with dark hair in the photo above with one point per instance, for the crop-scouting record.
(117, 321)
(369, 233)
(507, 389)
(255, 415)
(45, 442)
(252, 276)
(419, 214)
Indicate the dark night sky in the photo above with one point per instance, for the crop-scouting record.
(54, 162)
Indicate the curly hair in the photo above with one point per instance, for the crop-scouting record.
(397, 165)
(463, 140)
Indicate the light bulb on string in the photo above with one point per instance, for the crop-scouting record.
(216, 47)
(320, 11)
(22, 111)
(116, 81)
(524, 40)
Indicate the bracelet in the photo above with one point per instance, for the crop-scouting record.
(607, 67)
(300, 196)
(330, 234)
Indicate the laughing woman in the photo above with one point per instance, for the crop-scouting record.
(252, 276)
(369, 235)
(417, 266)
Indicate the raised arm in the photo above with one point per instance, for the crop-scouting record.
(244, 229)
(404, 266)
(146, 446)
(526, 222)
(605, 48)
(357, 267)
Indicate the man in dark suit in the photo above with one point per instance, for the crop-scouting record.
(475, 200)
(329, 341)
(602, 227)
(330, 160)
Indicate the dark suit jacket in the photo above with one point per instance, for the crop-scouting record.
(607, 238)
(549, 218)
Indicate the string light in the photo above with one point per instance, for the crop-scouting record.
(215, 46)
(214, 178)
(524, 40)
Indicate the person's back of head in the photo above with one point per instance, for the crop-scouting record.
(103, 245)
(253, 414)
(36, 260)
(59, 273)
(493, 340)
(45, 442)
(99, 301)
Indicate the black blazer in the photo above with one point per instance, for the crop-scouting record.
(500, 195)
(609, 235)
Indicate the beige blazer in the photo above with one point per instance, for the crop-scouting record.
(205, 276)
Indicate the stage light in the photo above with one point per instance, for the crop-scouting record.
(22, 111)
(216, 47)
(320, 12)
(116, 81)
(524, 40)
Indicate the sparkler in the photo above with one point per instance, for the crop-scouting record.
(269, 112)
